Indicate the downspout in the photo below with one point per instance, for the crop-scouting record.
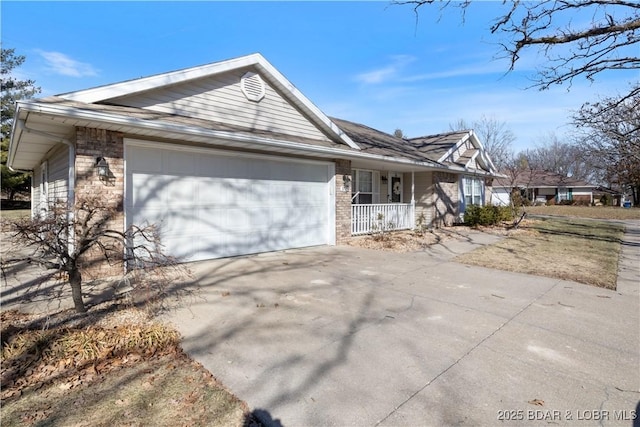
(71, 192)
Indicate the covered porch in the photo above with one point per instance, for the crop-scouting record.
(374, 218)
(382, 201)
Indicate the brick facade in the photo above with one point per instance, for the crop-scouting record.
(343, 201)
(91, 144)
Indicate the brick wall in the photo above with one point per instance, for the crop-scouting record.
(343, 201)
(91, 144)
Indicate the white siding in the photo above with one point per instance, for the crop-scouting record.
(58, 164)
(35, 193)
(57, 180)
(500, 196)
(582, 192)
(423, 184)
(219, 98)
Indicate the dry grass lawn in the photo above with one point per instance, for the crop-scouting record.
(108, 373)
(593, 212)
(7, 214)
(584, 251)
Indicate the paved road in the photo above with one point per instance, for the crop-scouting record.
(345, 336)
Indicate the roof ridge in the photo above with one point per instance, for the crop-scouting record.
(440, 134)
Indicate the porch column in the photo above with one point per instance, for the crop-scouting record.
(413, 199)
(413, 188)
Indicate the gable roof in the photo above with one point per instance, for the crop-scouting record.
(103, 94)
(374, 141)
(458, 148)
(541, 179)
(436, 147)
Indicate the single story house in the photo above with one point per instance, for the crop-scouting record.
(542, 187)
(230, 158)
(607, 196)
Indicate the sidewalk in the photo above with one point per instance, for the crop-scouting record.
(629, 262)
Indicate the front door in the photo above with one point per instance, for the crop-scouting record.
(396, 189)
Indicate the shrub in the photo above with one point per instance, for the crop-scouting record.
(486, 215)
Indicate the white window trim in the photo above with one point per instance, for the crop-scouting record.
(463, 193)
(375, 186)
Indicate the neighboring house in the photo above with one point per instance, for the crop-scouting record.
(542, 187)
(230, 159)
(608, 195)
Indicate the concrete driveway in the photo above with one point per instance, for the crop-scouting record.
(344, 336)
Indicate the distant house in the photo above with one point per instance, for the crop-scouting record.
(543, 187)
(607, 196)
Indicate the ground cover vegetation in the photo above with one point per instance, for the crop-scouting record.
(593, 212)
(580, 250)
(113, 367)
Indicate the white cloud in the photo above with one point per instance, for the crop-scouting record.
(383, 74)
(471, 70)
(60, 63)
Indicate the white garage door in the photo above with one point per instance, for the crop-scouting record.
(212, 205)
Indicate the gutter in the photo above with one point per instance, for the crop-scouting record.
(65, 111)
(261, 142)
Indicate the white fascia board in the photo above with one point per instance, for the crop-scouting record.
(455, 147)
(484, 155)
(16, 134)
(258, 141)
(270, 70)
(129, 87)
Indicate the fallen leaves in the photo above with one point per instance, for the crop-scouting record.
(109, 373)
(75, 356)
(536, 402)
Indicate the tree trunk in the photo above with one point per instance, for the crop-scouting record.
(75, 280)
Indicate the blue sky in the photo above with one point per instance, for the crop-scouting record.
(368, 62)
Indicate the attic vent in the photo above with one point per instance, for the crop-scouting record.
(252, 86)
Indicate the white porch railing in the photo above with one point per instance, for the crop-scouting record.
(367, 219)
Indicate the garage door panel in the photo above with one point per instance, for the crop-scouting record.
(208, 166)
(180, 163)
(212, 206)
(149, 161)
(149, 190)
(181, 191)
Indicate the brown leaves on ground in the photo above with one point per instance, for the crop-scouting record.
(33, 358)
(401, 241)
(109, 373)
(410, 241)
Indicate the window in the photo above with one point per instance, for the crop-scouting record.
(365, 187)
(472, 189)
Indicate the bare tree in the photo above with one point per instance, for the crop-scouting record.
(518, 176)
(560, 157)
(609, 130)
(62, 238)
(495, 136)
(607, 39)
